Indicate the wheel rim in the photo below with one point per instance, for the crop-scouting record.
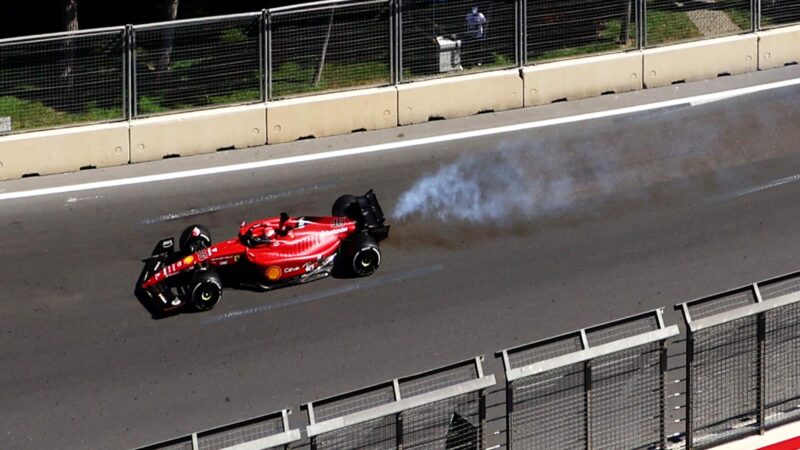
(366, 261)
(206, 295)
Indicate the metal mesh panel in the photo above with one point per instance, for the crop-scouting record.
(176, 444)
(717, 305)
(557, 29)
(779, 288)
(378, 434)
(449, 37)
(775, 13)
(669, 22)
(549, 410)
(621, 330)
(782, 363)
(724, 384)
(62, 80)
(626, 399)
(380, 395)
(330, 48)
(438, 379)
(215, 440)
(541, 352)
(194, 65)
(453, 423)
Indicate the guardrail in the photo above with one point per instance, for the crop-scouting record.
(606, 386)
(135, 71)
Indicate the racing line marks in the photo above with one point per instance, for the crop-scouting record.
(693, 101)
(350, 287)
(753, 190)
(237, 203)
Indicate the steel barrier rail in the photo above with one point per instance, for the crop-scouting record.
(270, 431)
(598, 387)
(749, 336)
(439, 406)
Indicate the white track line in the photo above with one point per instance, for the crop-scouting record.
(692, 101)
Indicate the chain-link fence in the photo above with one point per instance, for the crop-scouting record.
(671, 22)
(269, 432)
(743, 361)
(334, 45)
(452, 37)
(330, 47)
(62, 79)
(601, 387)
(555, 29)
(198, 64)
(776, 13)
(443, 408)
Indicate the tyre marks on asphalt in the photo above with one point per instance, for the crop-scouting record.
(237, 203)
(365, 283)
(753, 190)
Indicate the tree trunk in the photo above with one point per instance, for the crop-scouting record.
(69, 20)
(169, 35)
(318, 78)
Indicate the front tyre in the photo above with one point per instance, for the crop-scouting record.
(365, 256)
(205, 290)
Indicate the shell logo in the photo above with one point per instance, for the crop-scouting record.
(188, 260)
(273, 273)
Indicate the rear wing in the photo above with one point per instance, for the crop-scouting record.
(370, 216)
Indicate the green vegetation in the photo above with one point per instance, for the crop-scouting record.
(29, 115)
(150, 105)
(291, 78)
(669, 26)
(741, 17)
(233, 35)
(607, 42)
(244, 96)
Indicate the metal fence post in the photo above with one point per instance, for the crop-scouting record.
(587, 387)
(509, 411)
(133, 91)
(399, 41)
(127, 73)
(641, 24)
(262, 54)
(521, 41)
(662, 394)
(268, 37)
(761, 333)
(689, 362)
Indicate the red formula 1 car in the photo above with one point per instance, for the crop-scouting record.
(267, 254)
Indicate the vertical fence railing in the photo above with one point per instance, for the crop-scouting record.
(63, 79)
(600, 387)
(743, 361)
(198, 63)
(443, 408)
(330, 46)
(121, 73)
(270, 431)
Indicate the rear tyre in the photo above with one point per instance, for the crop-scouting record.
(364, 256)
(194, 238)
(205, 290)
(343, 205)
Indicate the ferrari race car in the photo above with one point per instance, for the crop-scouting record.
(267, 254)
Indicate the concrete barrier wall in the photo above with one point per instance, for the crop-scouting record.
(65, 150)
(700, 60)
(197, 132)
(460, 96)
(582, 78)
(776, 48)
(331, 114)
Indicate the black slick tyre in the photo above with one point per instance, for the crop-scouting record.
(343, 205)
(194, 238)
(364, 256)
(205, 290)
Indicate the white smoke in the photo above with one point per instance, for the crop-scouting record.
(487, 188)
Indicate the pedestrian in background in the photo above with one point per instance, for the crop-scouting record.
(475, 42)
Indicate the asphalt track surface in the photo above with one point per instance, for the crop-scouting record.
(640, 212)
